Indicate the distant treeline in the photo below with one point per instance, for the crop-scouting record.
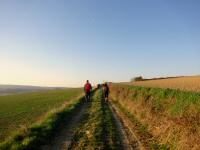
(140, 78)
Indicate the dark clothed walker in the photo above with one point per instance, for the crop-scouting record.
(106, 92)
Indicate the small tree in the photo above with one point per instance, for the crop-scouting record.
(139, 78)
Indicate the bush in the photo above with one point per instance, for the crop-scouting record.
(139, 78)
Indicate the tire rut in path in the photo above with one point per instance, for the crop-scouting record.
(128, 138)
(63, 138)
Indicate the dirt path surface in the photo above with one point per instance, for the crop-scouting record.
(105, 127)
(129, 142)
(129, 138)
(63, 139)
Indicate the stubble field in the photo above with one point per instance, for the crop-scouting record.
(182, 83)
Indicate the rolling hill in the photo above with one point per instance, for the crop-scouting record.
(14, 89)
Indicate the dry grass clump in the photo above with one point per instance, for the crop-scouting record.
(171, 116)
(183, 83)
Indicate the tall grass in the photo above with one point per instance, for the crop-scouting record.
(141, 130)
(176, 102)
(172, 116)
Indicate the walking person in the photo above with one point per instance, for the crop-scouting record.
(106, 92)
(87, 89)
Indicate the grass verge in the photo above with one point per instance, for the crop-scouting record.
(142, 130)
(177, 103)
(171, 116)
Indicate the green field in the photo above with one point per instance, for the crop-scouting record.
(21, 110)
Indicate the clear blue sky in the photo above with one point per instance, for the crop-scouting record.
(65, 42)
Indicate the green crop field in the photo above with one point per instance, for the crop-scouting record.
(21, 110)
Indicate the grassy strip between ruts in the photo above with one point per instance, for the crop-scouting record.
(141, 130)
(98, 129)
(38, 134)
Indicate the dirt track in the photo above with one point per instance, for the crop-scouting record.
(130, 136)
(64, 138)
(129, 142)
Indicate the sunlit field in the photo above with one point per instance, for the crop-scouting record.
(21, 110)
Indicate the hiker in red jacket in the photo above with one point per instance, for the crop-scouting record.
(87, 89)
